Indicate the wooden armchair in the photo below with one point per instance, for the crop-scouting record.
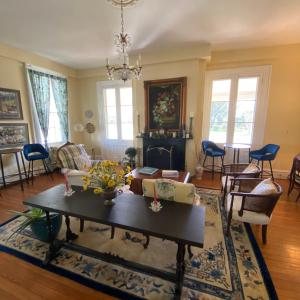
(233, 171)
(295, 176)
(255, 208)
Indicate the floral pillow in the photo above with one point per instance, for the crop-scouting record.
(165, 189)
(82, 163)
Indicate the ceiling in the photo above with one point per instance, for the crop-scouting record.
(79, 33)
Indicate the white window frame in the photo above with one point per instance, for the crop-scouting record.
(264, 75)
(101, 86)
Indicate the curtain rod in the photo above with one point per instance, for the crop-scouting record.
(47, 71)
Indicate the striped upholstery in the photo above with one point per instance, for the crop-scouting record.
(67, 153)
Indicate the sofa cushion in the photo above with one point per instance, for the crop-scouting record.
(82, 162)
(67, 154)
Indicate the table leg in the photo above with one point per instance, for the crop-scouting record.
(19, 170)
(70, 236)
(234, 155)
(179, 270)
(54, 245)
(24, 168)
(2, 171)
(238, 155)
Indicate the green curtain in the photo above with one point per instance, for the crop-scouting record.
(60, 93)
(40, 84)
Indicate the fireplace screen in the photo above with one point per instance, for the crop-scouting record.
(160, 157)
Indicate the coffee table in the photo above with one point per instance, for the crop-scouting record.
(178, 222)
(136, 184)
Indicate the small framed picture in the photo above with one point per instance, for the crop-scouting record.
(10, 105)
(13, 135)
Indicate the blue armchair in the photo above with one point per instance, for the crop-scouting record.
(34, 152)
(266, 153)
(212, 150)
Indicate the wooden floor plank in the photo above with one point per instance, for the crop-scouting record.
(21, 280)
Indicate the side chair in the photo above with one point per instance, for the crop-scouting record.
(212, 150)
(253, 203)
(266, 153)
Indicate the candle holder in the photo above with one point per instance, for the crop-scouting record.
(155, 206)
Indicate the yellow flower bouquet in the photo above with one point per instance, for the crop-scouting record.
(105, 178)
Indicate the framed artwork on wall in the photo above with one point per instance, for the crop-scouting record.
(165, 102)
(13, 135)
(10, 105)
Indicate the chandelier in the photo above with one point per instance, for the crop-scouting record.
(122, 42)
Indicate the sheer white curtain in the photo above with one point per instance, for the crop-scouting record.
(113, 149)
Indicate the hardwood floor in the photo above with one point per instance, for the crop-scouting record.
(282, 251)
(21, 280)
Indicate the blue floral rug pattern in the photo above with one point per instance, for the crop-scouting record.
(226, 268)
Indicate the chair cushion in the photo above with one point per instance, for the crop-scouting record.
(266, 187)
(248, 216)
(82, 162)
(68, 153)
(251, 168)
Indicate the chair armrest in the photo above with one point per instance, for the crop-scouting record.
(250, 195)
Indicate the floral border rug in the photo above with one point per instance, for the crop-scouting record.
(228, 267)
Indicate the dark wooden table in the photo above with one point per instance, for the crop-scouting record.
(14, 151)
(178, 222)
(236, 150)
(136, 184)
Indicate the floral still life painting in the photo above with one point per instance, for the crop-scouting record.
(165, 103)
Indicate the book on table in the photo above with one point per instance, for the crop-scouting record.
(147, 170)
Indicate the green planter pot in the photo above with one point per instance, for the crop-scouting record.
(40, 228)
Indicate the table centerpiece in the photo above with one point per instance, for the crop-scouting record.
(107, 178)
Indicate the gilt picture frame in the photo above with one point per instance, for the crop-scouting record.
(10, 105)
(165, 104)
(13, 135)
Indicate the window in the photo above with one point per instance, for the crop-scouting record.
(118, 112)
(55, 134)
(235, 105)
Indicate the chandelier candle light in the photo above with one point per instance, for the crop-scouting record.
(123, 71)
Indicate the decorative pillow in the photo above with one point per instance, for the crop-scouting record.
(165, 189)
(266, 187)
(68, 153)
(251, 168)
(82, 163)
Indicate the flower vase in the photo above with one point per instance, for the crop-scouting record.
(109, 196)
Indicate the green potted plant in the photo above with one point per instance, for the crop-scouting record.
(35, 218)
(131, 153)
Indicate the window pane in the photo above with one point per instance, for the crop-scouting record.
(127, 131)
(247, 88)
(126, 96)
(110, 97)
(126, 114)
(219, 110)
(244, 111)
(111, 114)
(243, 133)
(221, 90)
(218, 132)
(112, 131)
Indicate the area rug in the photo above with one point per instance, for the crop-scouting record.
(228, 267)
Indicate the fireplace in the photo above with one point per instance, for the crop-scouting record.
(164, 153)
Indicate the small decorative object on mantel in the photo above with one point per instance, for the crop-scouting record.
(106, 178)
(155, 205)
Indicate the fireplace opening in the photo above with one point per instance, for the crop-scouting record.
(160, 157)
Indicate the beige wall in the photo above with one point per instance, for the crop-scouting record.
(283, 115)
(12, 76)
(283, 120)
(193, 69)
